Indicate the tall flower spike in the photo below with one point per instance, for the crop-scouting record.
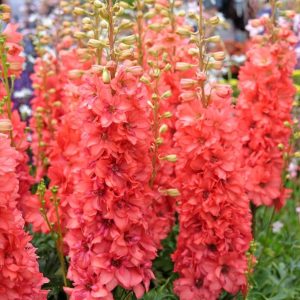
(264, 107)
(212, 242)
(109, 232)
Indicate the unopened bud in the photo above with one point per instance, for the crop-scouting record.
(187, 83)
(287, 124)
(167, 115)
(193, 51)
(79, 35)
(163, 128)
(170, 158)
(145, 80)
(159, 141)
(280, 146)
(129, 40)
(78, 11)
(172, 192)
(96, 43)
(214, 20)
(156, 27)
(297, 154)
(183, 32)
(5, 125)
(5, 8)
(98, 4)
(182, 66)
(166, 94)
(219, 56)
(214, 39)
(106, 76)
(57, 104)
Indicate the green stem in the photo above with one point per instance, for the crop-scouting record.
(156, 132)
(201, 46)
(140, 33)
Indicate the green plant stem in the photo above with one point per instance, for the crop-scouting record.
(8, 90)
(201, 36)
(140, 32)
(267, 233)
(156, 132)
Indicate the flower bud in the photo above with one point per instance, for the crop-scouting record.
(183, 32)
(187, 83)
(193, 51)
(287, 124)
(96, 43)
(5, 125)
(280, 146)
(145, 80)
(149, 15)
(159, 141)
(172, 192)
(156, 27)
(163, 128)
(214, 39)
(182, 66)
(5, 8)
(57, 104)
(167, 115)
(170, 158)
(98, 4)
(297, 154)
(219, 56)
(78, 11)
(106, 77)
(215, 20)
(166, 94)
(129, 40)
(86, 20)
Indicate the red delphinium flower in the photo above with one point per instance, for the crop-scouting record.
(14, 49)
(62, 152)
(19, 277)
(161, 43)
(212, 242)
(264, 104)
(108, 236)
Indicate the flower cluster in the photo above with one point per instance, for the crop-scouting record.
(19, 276)
(212, 242)
(108, 230)
(264, 108)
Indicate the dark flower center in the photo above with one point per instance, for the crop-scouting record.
(205, 194)
(199, 283)
(225, 269)
(116, 263)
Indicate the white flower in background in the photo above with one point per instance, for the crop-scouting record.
(293, 168)
(277, 226)
(298, 210)
(25, 111)
(23, 93)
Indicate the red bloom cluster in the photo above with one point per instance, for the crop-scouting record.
(19, 272)
(213, 240)
(264, 106)
(14, 49)
(108, 230)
